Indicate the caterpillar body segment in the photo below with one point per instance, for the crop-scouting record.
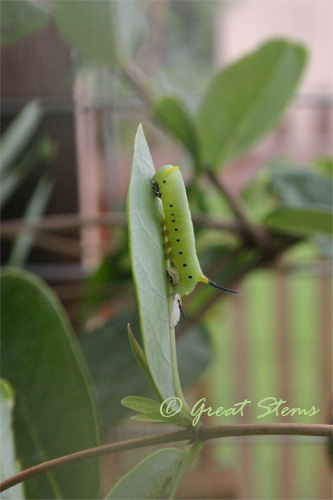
(177, 228)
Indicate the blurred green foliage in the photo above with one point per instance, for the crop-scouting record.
(21, 150)
(54, 414)
(19, 19)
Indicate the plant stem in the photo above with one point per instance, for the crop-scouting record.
(204, 433)
(221, 431)
(140, 81)
(73, 221)
(255, 234)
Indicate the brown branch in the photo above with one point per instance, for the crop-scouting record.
(139, 80)
(221, 431)
(63, 222)
(256, 234)
(98, 451)
(204, 433)
(69, 247)
(73, 221)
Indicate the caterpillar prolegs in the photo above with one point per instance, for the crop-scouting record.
(177, 229)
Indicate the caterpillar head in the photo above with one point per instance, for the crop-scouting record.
(156, 189)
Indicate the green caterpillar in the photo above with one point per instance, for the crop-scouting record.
(178, 231)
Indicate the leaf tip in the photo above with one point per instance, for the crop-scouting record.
(123, 401)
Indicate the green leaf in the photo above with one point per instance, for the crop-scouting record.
(148, 264)
(301, 221)
(54, 414)
(36, 207)
(154, 419)
(88, 27)
(305, 189)
(246, 99)
(175, 118)
(15, 175)
(158, 476)
(19, 19)
(131, 26)
(19, 133)
(8, 466)
(153, 478)
(301, 188)
(150, 411)
(104, 32)
(141, 405)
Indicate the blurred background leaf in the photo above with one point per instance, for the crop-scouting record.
(21, 153)
(36, 207)
(301, 188)
(172, 114)
(54, 414)
(154, 477)
(41, 149)
(18, 134)
(19, 19)
(106, 32)
(89, 27)
(246, 99)
(305, 189)
(307, 220)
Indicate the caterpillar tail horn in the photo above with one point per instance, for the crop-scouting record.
(222, 288)
(205, 280)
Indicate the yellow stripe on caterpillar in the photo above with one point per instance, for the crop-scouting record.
(171, 169)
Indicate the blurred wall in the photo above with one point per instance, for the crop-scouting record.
(244, 24)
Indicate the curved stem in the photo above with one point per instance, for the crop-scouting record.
(256, 234)
(98, 451)
(204, 433)
(221, 431)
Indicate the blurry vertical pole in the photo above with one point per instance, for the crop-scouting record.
(284, 360)
(111, 141)
(325, 368)
(89, 163)
(243, 386)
